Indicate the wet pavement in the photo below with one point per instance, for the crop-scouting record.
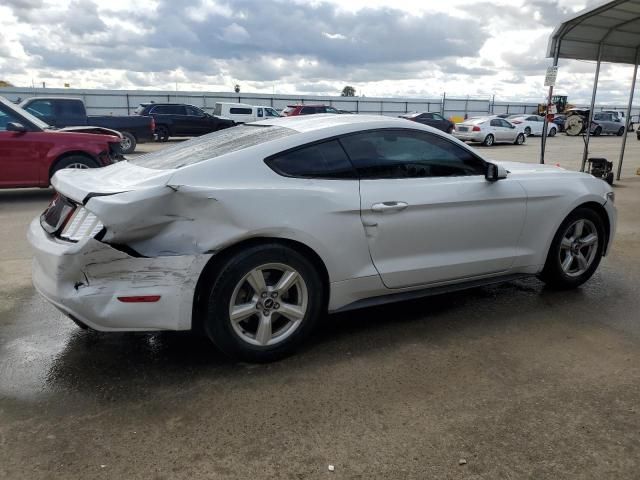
(517, 380)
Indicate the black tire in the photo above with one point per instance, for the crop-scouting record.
(597, 132)
(162, 133)
(488, 140)
(450, 130)
(527, 131)
(609, 178)
(128, 143)
(620, 131)
(520, 139)
(552, 132)
(74, 161)
(553, 274)
(216, 320)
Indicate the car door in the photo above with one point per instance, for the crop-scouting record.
(429, 213)
(196, 121)
(536, 127)
(510, 131)
(499, 132)
(20, 153)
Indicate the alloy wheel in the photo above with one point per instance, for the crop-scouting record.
(268, 304)
(578, 247)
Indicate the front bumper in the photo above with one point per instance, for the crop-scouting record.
(85, 279)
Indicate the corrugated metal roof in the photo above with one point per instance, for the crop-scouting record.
(615, 25)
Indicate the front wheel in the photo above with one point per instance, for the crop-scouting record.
(263, 303)
(620, 131)
(575, 251)
(488, 140)
(597, 132)
(128, 143)
(74, 161)
(520, 139)
(527, 131)
(552, 132)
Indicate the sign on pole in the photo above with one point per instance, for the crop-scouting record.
(550, 78)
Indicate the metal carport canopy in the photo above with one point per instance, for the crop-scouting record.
(609, 32)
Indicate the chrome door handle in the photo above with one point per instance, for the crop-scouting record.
(388, 206)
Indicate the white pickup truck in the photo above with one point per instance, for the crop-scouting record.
(244, 113)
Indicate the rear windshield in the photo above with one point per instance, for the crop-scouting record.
(210, 146)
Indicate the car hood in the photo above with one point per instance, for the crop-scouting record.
(78, 184)
(520, 168)
(92, 130)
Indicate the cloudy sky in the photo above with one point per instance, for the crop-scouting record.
(381, 47)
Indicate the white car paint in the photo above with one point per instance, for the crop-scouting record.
(243, 112)
(451, 230)
(534, 123)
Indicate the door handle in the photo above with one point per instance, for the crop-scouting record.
(389, 206)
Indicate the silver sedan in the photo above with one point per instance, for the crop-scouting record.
(489, 130)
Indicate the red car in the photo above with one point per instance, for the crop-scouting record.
(31, 151)
(294, 110)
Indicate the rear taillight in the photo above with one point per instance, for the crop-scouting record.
(80, 225)
(476, 129)
(153, 124)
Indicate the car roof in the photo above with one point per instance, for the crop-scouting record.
(308, 105)
(51, 98)
(308, 123)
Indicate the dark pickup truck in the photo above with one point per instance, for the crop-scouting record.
(68, 112)
(181, 120)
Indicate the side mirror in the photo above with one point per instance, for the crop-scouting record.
(495, 172)
(16, 127)
(512, 126)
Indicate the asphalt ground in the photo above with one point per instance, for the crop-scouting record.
(511, 381)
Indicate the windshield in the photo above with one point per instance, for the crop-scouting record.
(212, 145)
(23, 113)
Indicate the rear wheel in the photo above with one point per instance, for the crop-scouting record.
(575, 251)
(488, 140)
(527, 131)
(597, 132)
(128, 142)
(520, 139)
(552, 132)
(74, 161)
(620, 131)
(263, 303)
(162, 132)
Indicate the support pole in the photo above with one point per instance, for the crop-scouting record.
(627, 118)
(543, 143)
(585, 152)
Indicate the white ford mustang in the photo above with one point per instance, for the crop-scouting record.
(250, 234)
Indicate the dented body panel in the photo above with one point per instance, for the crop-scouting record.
(161, 220)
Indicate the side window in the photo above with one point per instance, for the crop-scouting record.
(260, 114)
(308, 111)
(270, 112)
(160, 110)
(323, 160)
(76, 109)
(437, 116)
(407, 154)
(194, 112)
(505, 124)
(7, 117)
(330, 110)
(496, 122)
(240, 111)
(40, 108)
(176, 110)
(427, 116)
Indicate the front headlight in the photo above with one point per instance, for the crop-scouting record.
(611, 197)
